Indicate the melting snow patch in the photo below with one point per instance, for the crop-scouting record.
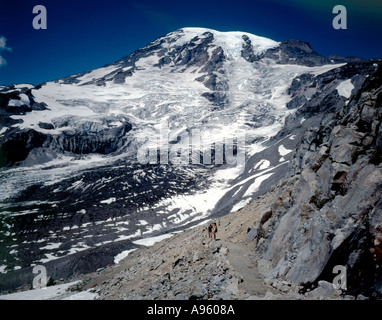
(51, 246)
(345, 88)
(262, 164)
(142, 223)
(108, 201)
(122, 255)
(24, 100)
(153, 228)
(322, 69)
(49, 257)
(256, 184)
(3, 130)
(150, 241)
(283, 151)
(240, 204)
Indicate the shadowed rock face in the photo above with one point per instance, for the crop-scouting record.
(18, 146)
(296, 52)
(330, 208)
(82, 141)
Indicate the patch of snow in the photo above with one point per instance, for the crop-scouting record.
(152, 240)
(3, 130)
(24, 85)
(256, 184)
(115, 124)
(345, 88)
(49, 257)
(135, 235)
(51, 246)
(108, 201)
(322, 69)
(24, 100)
(122, 255)
(150, 229)
(283, 151)
(142, 223)
(262, 164)
(241, 204)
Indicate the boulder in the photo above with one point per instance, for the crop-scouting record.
(252, 234)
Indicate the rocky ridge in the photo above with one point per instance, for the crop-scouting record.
(329, 209)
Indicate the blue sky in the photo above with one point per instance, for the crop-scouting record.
(83, 35)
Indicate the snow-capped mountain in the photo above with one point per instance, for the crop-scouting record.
(194, 125)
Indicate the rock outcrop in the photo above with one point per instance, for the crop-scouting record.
(329, 209)
(196, 269)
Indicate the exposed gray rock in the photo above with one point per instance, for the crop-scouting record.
(252, 234)
(324, 291)
(297, 102)
(335, 204)
(247, 52)
(296, 52)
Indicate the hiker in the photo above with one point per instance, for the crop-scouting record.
(214, 230)
(210, 231)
